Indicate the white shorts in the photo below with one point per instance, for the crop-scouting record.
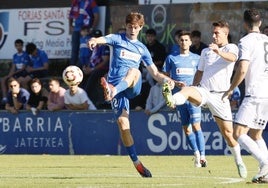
(214, 103)
(253, 113)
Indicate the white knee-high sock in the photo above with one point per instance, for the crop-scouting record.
(263, 147)
(179, 98)
(236, 152)
(250, 146)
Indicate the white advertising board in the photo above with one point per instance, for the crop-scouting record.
(48, 28)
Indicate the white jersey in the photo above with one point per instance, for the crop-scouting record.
(254, 48)
(78, 98)
(217, 71)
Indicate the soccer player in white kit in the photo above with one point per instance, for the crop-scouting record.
(213, 75)
(253, 114)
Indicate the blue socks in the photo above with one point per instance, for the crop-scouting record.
(132, 153)
(200, 142)
(192, 141)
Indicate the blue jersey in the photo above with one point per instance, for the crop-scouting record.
(20, 60)
(125, 54)
(39, 60)
(182, 67)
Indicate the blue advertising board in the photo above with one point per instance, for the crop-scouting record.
(96, 132)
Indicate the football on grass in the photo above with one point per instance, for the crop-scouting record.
(72, 75)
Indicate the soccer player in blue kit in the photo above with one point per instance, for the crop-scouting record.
(124, 78)
(182, 68)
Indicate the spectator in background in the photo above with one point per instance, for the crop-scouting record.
(98, 67)
(156, 49)
(17, 97)
(175, 49)
(75, 98)
(38, 66)
(38, 97)
(82, 13)
(155, 101)
(19, 63)
(56, 95)
(197, 46)
(84, 52)
(265, 30)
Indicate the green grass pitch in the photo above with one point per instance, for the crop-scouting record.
(99, 171)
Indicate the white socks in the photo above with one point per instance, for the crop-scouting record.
(251, 146)
(236, 152)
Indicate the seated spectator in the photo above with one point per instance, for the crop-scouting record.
(155, 100)
(38, 96)
(75, 98)
(84, 51)
(38, 66)
(17, 97)
(197, 46)
(99, 66)
(55, 100)
(19, 63)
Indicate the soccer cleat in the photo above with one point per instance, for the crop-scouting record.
(262, 173)
(242, 170)
(260, 180)
(144, 172)
(166, 91)
(106, 89)
(203, 163)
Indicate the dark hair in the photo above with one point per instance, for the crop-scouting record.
(196, 33)
(251, 17)
(177, 32)
(30, 47)
(11, 79)
(151, 32)
(19, 41)
(35, 80)
(54, 79)
(182, 33)
(221, 23)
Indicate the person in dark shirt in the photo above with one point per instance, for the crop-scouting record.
(17, 97)
(38, 96)
(157, 50)
(197, 46)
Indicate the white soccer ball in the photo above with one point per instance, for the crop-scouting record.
(72, 75)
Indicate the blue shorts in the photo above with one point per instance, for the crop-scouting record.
(189, 113)
(121, 100)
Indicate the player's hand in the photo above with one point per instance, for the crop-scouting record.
(171, 83)
(214, 47)
(226, 95)
(92, 43)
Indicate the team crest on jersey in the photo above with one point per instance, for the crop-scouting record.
(4, 20)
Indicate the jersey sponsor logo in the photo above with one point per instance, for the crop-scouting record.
(125, 54)
(4, 20)
(185, 71)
